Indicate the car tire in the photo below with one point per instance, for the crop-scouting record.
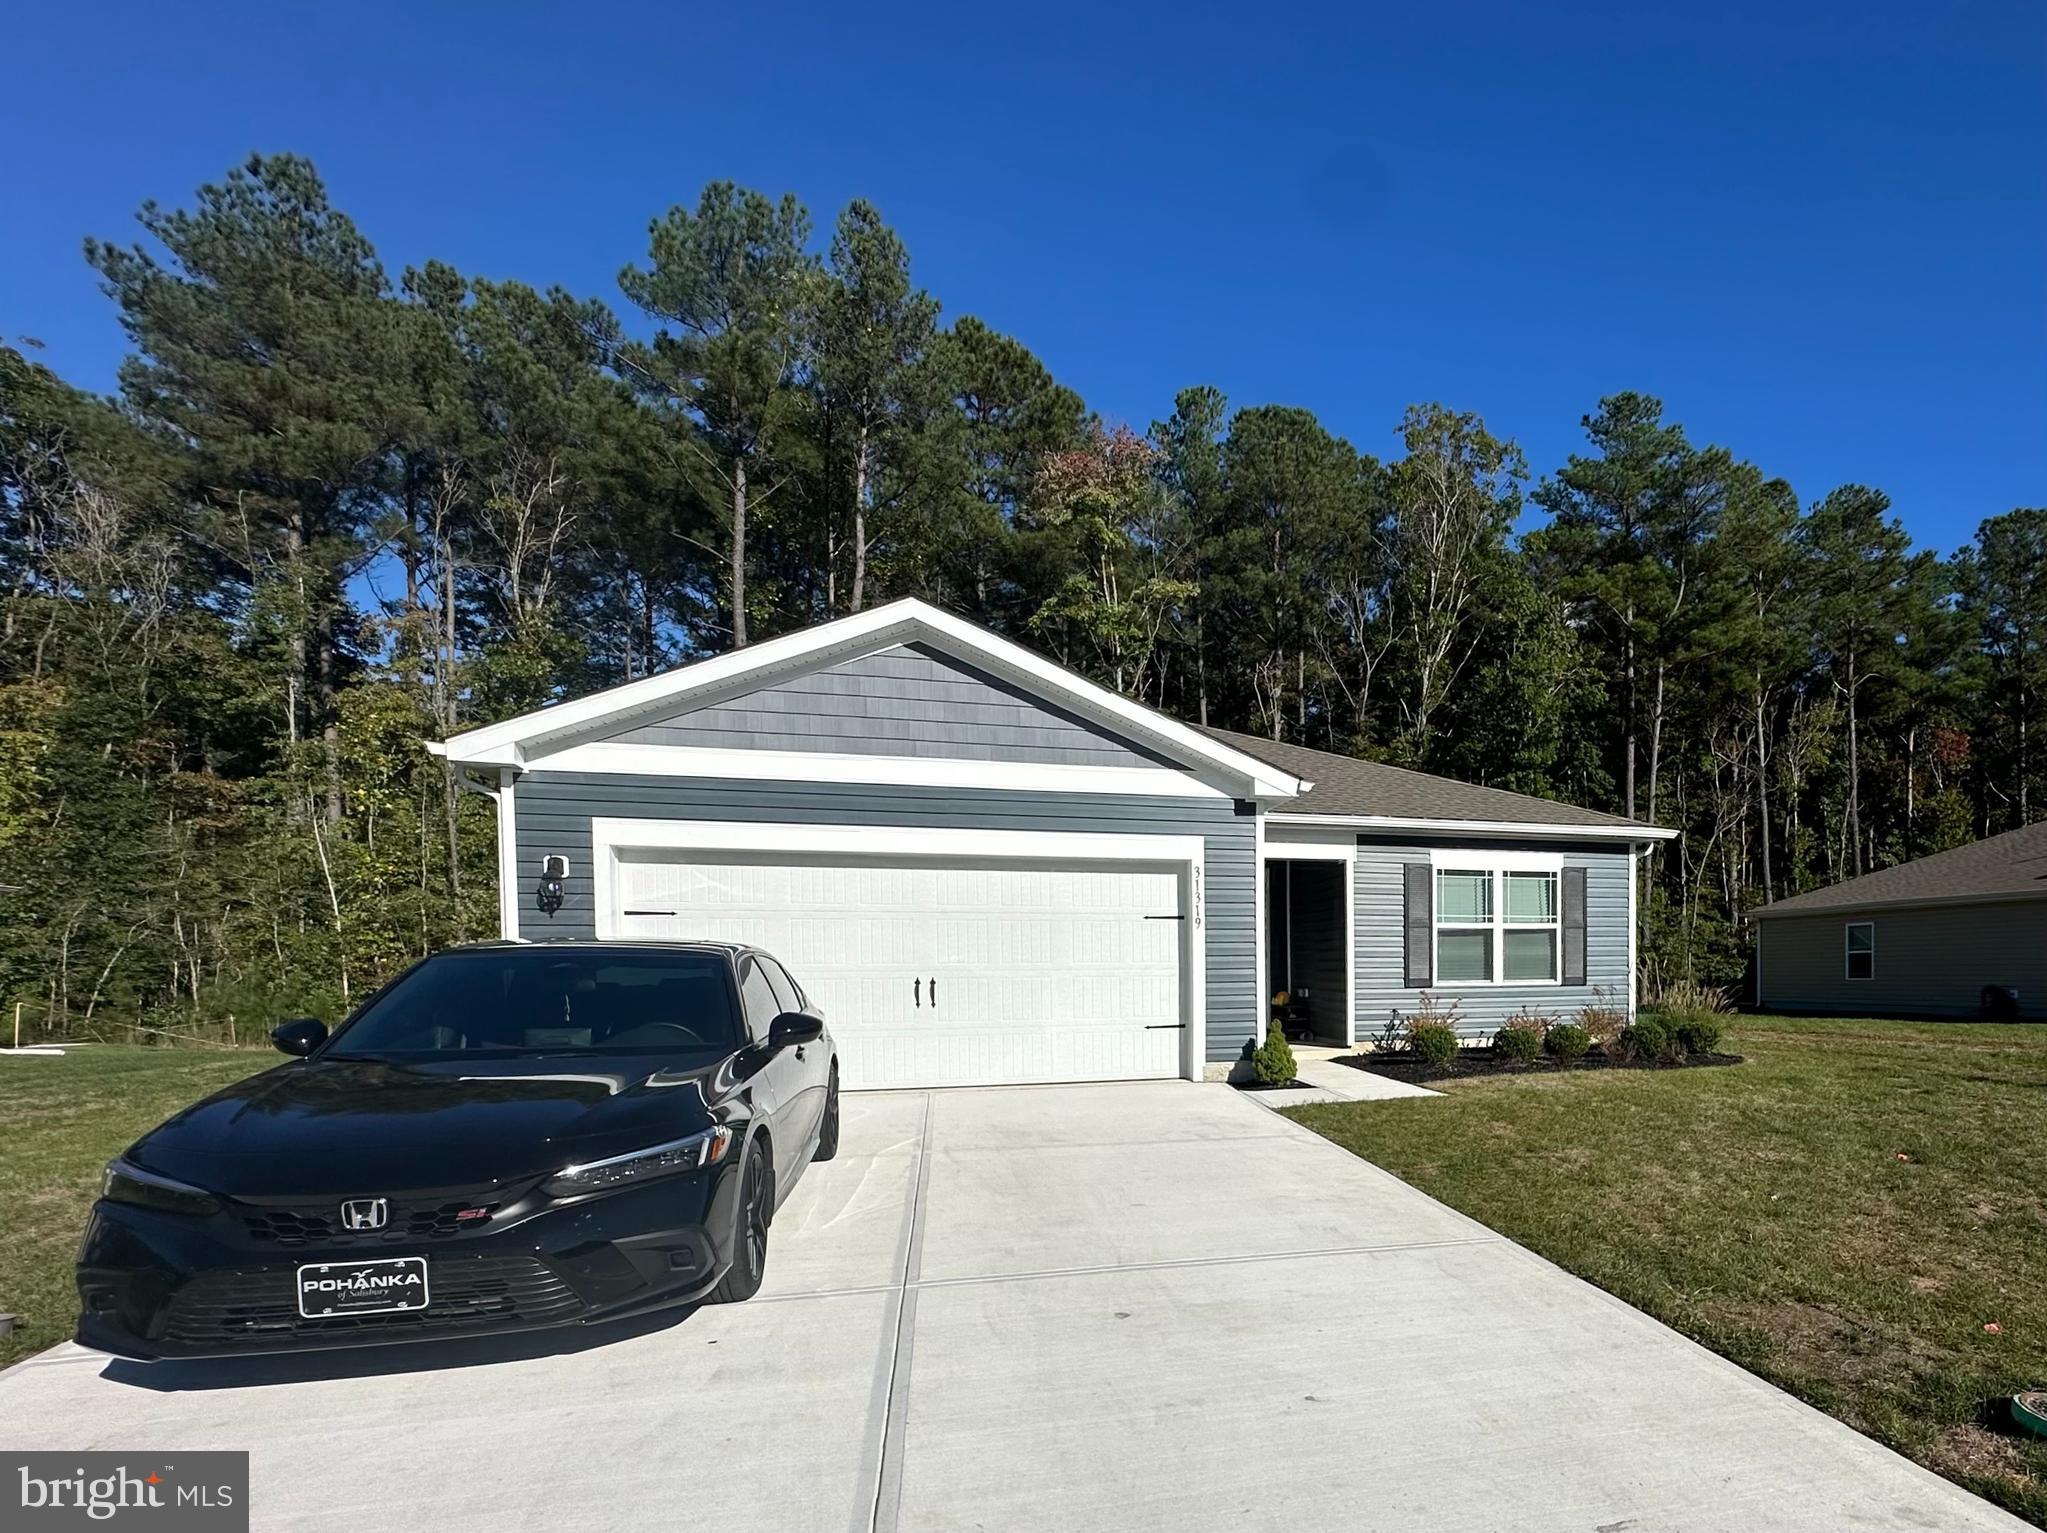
(742, 1279)
(828, 1131)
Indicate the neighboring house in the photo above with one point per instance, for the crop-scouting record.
(1924, 937)
(990, 869)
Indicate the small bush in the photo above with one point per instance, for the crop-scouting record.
(1698, 1034)
(1272, 1062)
(1646, 1040)
(1517, 1042)
(1603, 1017)
(1433, 1042)
(1566, 1041)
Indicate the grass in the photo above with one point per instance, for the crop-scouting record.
(1848, 1214)
(61, 1121)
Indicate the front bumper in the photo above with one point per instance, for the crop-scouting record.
(158, 1285)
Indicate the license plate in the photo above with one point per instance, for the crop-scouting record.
(382, 1287)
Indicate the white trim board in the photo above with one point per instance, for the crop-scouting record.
(1345, 852)
(1487, 828)
(517, 742)
(613, 757)
(884, 843)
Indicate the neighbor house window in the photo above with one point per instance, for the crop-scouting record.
(1496, 926)
(1862, 950)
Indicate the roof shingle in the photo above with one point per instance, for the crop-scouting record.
(1345, 785)
(2012, 865)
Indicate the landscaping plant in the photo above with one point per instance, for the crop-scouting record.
(1698, 1035)
(1517, 1041)
(1272, 1062)
(1566, 1041)
(1603, 1018)
(1647, 1040)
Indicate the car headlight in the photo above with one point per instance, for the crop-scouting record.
(691, 1154)
(125, 1183)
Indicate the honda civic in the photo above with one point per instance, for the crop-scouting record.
(507, 1136)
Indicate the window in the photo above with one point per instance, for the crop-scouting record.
(512, 1002)
(1862, 950)
(757, 996)
(787, 996)
(1497, 925)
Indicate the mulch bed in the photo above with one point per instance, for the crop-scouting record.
(1471, 1062)
(1283, 1086)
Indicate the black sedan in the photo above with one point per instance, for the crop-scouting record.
(507, 1136)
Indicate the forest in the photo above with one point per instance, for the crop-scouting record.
(333, 513)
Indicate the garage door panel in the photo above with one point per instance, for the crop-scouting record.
(1042, 972)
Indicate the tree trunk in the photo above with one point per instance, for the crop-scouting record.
(1763, 788)
(860, 519)
(1629, 725)
(1854, 775)
(1656, 741)
(739, 553)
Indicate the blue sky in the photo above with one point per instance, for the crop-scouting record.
(1817, 231)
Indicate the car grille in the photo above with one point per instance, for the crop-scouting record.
(409, 1221)
(465, 1293)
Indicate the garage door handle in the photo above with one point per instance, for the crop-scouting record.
(917, 991)
(934, 992)
(1165, 1027)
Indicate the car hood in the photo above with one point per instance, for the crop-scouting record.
(331, 1126)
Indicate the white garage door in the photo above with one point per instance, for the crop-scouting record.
(943, 973)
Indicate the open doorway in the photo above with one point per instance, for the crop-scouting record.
(1307, 959)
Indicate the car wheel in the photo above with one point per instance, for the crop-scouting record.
(742, 1279)
(828, 1132)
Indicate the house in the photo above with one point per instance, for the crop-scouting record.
(990, 869)
(1925, 937)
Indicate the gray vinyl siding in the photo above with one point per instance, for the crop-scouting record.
(553, 811)
(905, 701)
(1930, 961)
(1317, 943)
(1382, 990)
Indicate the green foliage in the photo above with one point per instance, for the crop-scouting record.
(1566, 1041)
(1646, 1040)
(1272, 1062)
(1518, 1043)
(1432, 1042)
(1698, 1033)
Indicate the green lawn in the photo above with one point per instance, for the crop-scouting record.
(61, 1121)
(1844, 1214)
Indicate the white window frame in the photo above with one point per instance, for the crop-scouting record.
(1847, 969)
(1496, 865)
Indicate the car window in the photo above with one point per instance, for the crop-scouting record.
(759, 999)
(787, 996)
(538, 1000)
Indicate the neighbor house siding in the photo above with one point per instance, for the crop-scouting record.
(1382, 991)
(1933, 960)
(905, 701)
(554, 811)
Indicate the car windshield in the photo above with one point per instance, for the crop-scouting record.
(533, 1001)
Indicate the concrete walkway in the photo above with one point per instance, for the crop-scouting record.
(1145, 1308)
(1327, 1081)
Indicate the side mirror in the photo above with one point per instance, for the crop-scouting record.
(299, 1036)
(792, 1028)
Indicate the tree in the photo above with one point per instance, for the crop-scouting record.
(267, 344)
(735, 280)
(873, 327)
(2003, 586)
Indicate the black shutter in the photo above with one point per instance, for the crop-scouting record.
(1420, 967)
(1574, 926)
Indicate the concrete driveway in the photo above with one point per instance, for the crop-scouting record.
(1124, 1307)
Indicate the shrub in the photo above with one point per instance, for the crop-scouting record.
(1433, 1042)
(1566, 1041)
(1698, 1034)
(1603, 1018)
(1646, 1040)
(1272, 1062)
(1687, 997)
(1517, 1041)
